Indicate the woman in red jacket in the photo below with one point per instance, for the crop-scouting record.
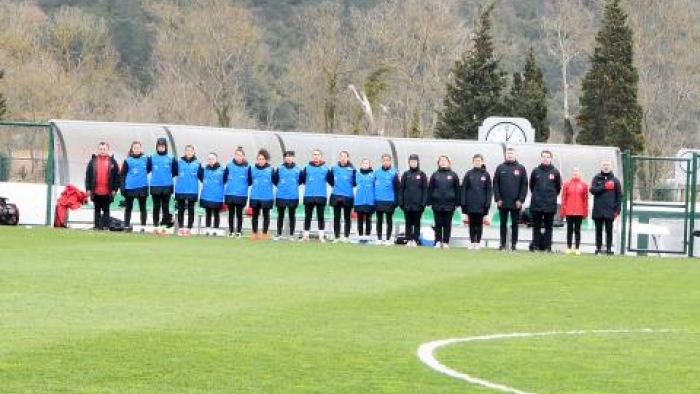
(574, 207)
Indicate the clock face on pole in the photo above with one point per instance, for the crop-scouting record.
(506, 132)
(684, 164)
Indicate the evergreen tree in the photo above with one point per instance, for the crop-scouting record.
(414, 130)
(3, 101)
(474, 93)
(528, 97)
(514, 102)
(610, 112)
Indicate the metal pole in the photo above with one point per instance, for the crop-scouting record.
(626, 164)
(49, 176)
(693, 196)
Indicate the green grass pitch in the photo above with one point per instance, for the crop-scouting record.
(84, 312)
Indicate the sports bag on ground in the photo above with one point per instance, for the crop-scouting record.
(9, 213)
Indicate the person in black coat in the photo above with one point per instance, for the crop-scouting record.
(443, 196)
(607, 199)
(545, 185)
(101, 183)
(509, 191)
(412, 198)
(476, 196)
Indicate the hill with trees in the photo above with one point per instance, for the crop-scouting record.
(344, 66)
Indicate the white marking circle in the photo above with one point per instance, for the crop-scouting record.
(426, 352)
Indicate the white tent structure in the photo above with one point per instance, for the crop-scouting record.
(75, 142)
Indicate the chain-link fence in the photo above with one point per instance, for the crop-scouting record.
(24, 153)
(27, 170)
(659, 205)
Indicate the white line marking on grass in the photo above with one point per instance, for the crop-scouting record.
(426, 352)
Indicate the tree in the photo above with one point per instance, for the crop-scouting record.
(81, 46)
(3, 101)
(475, 90)
(668, 72)
(567, 26)
(610, 113)
(528, 97)
(375, 85)
(418, 40)
(319, 69)
(211, 45)
(514, 102)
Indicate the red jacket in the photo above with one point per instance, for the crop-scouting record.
(574, 198)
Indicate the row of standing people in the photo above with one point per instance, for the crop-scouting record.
(364, 190)
(511, 185)
(239, 184)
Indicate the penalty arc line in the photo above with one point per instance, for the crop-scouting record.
(426, 352)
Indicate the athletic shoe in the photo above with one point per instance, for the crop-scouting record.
(388, 242)
(238, 235)
(578, 252)
(609, 253)
(438, 245)
(277, 238)
(336, 240)
(569, 251)
(231, 235)
(598, 251)
(502, 248)
(445, 246)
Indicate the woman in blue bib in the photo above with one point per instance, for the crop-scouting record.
(287, 178)
(364, 199)
(186, 170)
(134, 174)
(261, 192)
(237, 184)
(162, 174)
(213, 180)
(314, 177)
(342, 179)
(386, 188)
